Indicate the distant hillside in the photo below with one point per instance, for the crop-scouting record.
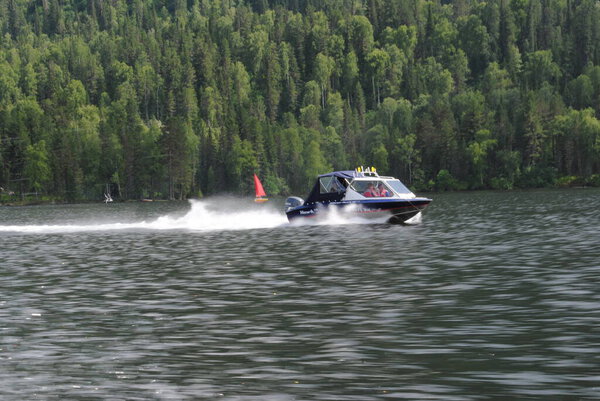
(171, 99)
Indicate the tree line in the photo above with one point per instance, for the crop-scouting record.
(177, 98)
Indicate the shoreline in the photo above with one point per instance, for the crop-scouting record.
(24, 203)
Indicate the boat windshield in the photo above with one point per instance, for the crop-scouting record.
(372, 188)
(398, 187)
(329, 184)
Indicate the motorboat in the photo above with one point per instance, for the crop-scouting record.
(362, 192)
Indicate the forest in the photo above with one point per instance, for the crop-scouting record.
(172, 99)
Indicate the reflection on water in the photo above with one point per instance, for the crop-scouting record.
(490, 296)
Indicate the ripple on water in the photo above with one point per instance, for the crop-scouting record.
(490, 296)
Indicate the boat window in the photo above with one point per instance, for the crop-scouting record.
(372, 188)
(398, 187)
(328, 185)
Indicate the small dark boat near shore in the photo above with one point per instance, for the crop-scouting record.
(358, 193)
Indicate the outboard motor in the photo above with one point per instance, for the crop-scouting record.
(292, 202)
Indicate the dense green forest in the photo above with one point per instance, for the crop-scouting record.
(177, 98)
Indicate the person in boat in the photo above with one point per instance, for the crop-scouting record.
(371, 192)
(383, 191)
(338, 186)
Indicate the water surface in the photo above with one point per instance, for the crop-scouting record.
(491, 296)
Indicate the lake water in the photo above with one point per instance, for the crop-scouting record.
(492, 295)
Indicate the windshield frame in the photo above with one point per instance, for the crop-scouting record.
(363, 186)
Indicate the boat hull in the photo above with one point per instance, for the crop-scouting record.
(395, 210)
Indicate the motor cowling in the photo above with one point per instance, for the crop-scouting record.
(292, 202)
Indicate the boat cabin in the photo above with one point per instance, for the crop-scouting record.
(356, 185)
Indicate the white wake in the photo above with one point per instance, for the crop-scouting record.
(335, 216)
(202, 216)
(209, 215)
